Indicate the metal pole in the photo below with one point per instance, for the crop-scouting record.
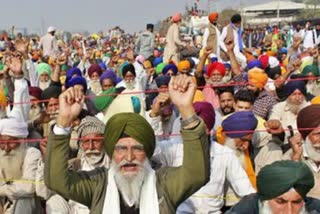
(278, 12)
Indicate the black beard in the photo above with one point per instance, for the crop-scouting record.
(229, 112)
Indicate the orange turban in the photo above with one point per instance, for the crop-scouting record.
(213, 17)
(184, 65)
(176, 17)
(257, 77)
(3, 101)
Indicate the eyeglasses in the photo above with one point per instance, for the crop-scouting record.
(123, 150)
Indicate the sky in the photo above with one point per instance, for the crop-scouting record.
(95, 15)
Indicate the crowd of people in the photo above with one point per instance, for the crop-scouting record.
(118, 123)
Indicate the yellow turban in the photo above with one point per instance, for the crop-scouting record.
(184, 65)
(315, 100)
(3, 100)
(198, 96)
(257, 77)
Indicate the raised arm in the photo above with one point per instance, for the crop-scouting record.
(183, 181)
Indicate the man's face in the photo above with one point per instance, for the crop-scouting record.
(226, 103)
(44, 77)
(296, 98)
(7, 147)
(95, 76)
(254, 89)
(130, 155)
(216, 76)
(242, 106)
(92, 142)
(106, 84)
(53, 106)
(129, 77)
(242, 143)
(313, 144)
(289, 202)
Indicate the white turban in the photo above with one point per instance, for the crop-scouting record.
(13, 128)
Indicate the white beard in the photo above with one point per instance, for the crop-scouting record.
(313, 87)
(44, 85)
(12, 163)
(229, 142)
(130, 84)
(130, 185)
(295, 109)
(95, 87)
(34, 112)
(313, 153)
(264, 208)
(94, 158)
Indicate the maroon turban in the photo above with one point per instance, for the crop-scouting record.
(35, 92)
(206, 112)
(308, 119)
(94, 68)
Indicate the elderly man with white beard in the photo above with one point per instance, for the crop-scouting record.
(18, 169)
(306, 145)
(130, 185)
(286, 112)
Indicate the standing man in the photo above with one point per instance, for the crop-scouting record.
(130, 185)
(211, 36)
(48, 43)
(172, 48)
(145, 42)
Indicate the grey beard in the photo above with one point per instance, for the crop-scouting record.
(34, 112)
(295, 108)
(130, 84)
(311, 151)
(229, 142)
(95, 87)
(130, 186)
(44, 85)
(12, 163)
(95, 158)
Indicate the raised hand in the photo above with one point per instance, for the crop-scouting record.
(296, 145)
(274, 127)
(181, 90)
(22, 46)
(15, 64)
(61, 60)
(161, 100)
(70, 105)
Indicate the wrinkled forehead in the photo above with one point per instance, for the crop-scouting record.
(127, 141)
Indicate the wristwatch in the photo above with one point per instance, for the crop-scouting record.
(189, 120)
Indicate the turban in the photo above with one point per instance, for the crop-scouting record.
(103, 66)
(160, 67)
(35, 92)
(51, 92)
(272, 72)
(227, 66)
(90, 125)
(43, 68)
(315, 100)
(13, 128)
(240, 124)
(264, 59)
(279, 177)
(130, 124)
(273, 62)
(128, 68)
(213, 17)
(308, 118)
(213, 58)
(64, 67)
(76, 81)
(3, 100)
(311, 69)
(73, 71)
(216, 66)
(184, 65)
(122, 66)
(162, 80)
(292, 85)
(35, 57)
(157, 61)
(94, 68)
(198, 97)
(105, 99)
(176, 17)
(147, 64)
(109, 74)
(257, 77)
(206, 112)
(254, 63)
(140, 59)
(171, 67)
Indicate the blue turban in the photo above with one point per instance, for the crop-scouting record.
(109, 74)
(227, 66)
(73, 71)
(102, 66)
(254, 63)
(157, 61)
(240, 124)
(292, 85)
(77, 81)
(214, 59)
(162, 80)
(171, 67)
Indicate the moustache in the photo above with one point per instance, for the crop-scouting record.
(92, 152)
(125, 163)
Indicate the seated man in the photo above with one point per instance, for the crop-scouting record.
(129, 142)
(282, 188)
